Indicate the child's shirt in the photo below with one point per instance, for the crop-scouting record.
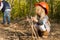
(6, 6)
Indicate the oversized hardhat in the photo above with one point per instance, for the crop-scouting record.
(44, 5)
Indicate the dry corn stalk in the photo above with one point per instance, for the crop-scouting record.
(34, 31)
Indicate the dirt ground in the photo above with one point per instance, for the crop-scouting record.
(19, 31)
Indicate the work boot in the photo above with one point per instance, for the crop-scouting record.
(45, 34)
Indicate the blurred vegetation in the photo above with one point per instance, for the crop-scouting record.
(23, 8)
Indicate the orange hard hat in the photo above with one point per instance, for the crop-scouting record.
(44, 5)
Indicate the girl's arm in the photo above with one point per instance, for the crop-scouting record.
(49, 23)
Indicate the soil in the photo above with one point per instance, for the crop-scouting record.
(20, 31)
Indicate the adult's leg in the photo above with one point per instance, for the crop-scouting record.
(4, 17)
(8, 17)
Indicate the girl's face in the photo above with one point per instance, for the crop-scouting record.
(0, 0)
(38, 10)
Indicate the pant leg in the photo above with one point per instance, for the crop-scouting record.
(4, 17)
(48, 28)
(8, 17)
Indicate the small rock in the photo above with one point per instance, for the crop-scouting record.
(53, 33)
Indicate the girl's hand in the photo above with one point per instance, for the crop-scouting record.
(34, 19)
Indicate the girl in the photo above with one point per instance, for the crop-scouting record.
(41, 19)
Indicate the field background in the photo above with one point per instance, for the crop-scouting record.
(20, 29)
